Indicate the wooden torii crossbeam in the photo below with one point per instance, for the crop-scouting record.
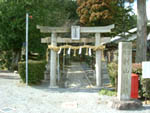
(69, 40)
(46, 29)
(54, 30)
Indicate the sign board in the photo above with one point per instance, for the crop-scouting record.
(75, 32)
(145, 69)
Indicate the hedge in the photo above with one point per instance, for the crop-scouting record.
(35, 71)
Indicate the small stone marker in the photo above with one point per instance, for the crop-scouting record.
(124, 70)
(145, 69)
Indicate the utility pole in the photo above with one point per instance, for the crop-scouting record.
(27, 26)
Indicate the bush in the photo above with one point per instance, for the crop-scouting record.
(144, 84)
(137, 69)
(113, 73)
(107, 92)
(146, 88)
(5, 60)
(35, 72)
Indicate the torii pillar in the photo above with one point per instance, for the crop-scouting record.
(98, 58)
(53, 63)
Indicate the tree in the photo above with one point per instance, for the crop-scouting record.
(11, 28)
(124, 18)
(141, 44)
(105, 12)
(12, 23)
(95, 12)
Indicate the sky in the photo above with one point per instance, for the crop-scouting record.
(147, 8)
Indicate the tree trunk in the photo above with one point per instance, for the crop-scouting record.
(141, 44)
(15, 59)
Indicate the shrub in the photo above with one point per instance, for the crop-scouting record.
(35, 72)
(144, 84)
(137, 68)
(5, 60)
(113, 73)
(107, 92)
(146, 88)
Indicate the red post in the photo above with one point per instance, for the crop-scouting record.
(134, 86)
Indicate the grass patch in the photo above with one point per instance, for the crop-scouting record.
(107, 92)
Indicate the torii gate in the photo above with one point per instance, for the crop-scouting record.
(54, 39)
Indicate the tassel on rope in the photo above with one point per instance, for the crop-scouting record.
(64, 52)
(103, 57)
(80, 50)
(74, 52)
(69, 51)
(90, 52)
(59, 51)
(86, 51)
(47, 55)
(95, 48)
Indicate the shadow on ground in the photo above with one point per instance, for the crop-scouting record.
(45, 87)
(9, 77)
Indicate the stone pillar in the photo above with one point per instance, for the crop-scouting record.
(98, 61)
(124, 71)
(53, 64)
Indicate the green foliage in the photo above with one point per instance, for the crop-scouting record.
(12, 30)
(5, 60)
(137, 69)
(124, 18)
(57, 12)
(107, 92)
(146, 87)
(105, 12)
(144, 84)
(113, 73)
(12, 24)
(96, 12)
(35, 72)
(43, 12)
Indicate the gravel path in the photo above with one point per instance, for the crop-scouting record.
(17, 98)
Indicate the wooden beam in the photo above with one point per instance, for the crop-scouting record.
(46, 29)
(103, 29)
(69, 40)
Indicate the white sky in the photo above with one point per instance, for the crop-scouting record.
(148, 8)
